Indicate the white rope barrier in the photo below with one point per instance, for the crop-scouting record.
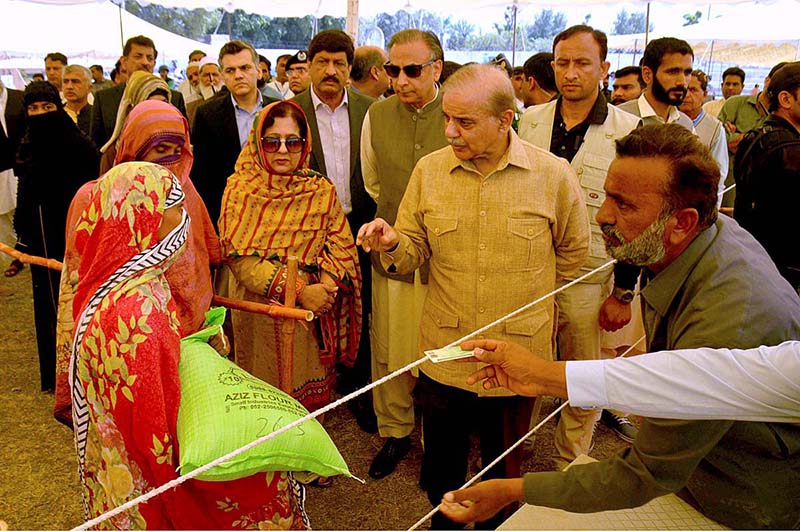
(508, 451)
(222, 459)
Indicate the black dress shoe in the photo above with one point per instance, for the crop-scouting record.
(394, 450)
(361, 407)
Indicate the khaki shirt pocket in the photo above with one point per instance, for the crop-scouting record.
(443, 238)
(529, 242)
(535, 331)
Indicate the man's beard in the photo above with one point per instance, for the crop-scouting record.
(668, 97)
(644, 250)
(207, 91)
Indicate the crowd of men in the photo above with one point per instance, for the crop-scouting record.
(461, 220)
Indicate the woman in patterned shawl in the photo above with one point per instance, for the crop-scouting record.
(124, 369)
(273, 208)
(156, 132)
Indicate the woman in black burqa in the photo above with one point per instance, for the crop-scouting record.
(54, 159)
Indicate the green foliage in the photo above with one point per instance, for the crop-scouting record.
(629, 23)
(547, 25)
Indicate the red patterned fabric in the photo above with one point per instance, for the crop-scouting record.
(124, 371)
(190, 278)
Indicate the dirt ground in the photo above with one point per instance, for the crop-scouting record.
(39, 486)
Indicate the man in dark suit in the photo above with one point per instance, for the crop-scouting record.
(222, 123)
(335, 114)
(139, 54)
(12, 130)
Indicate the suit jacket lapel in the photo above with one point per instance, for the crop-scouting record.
(316, 142)
(356, 116)
(232, 130)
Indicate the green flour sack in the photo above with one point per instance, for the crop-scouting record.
(224, 408)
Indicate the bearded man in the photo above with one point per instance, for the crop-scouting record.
(707, 283)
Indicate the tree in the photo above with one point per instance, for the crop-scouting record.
(508, 21)
(626, 24)
(692, 19)
(547, 25)
(458, 33)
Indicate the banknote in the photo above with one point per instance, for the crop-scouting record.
(447, 353)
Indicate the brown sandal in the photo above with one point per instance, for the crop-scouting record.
(14, 268)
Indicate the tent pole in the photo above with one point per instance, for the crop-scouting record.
(514, 36)
(647, 26)
(351, 26)
(121, 33)
(711, 59)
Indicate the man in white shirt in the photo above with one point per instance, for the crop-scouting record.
(281, 80)
(758, 384)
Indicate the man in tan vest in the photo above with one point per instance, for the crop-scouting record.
(397, 132)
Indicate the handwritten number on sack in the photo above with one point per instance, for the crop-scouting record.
(275, 426)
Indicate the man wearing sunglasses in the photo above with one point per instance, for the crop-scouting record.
(499, 220)
(397, 133)
(335, 114)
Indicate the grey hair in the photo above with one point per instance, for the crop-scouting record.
(85, 73)
(492, 83)
(414, 35)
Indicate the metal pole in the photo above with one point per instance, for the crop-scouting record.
(514, 36)
(647, 26)
(121, 33)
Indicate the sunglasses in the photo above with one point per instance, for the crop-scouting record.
(412, 71)
(273, 144)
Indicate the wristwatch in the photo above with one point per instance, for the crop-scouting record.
(623, 294)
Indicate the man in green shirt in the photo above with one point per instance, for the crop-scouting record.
(706, 284)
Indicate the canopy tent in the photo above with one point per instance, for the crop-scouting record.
(29, 27)
(84, 32)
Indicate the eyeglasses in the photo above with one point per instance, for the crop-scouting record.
(273, 144)
(412, 71)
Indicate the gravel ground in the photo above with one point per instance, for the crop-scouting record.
(39, 487)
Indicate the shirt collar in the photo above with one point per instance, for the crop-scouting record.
(699, 117)
(515, 155)
(597, 115)
(258, 107)
(317, 102)
(663, 288)
(435, 97)
(646, 110)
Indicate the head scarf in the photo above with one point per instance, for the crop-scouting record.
(148, 124)
(275, 216)
(139, 87)
(117, 237)
(41, 91)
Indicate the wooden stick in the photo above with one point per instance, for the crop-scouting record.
(274, 311)
(31, 259)
(286, 362)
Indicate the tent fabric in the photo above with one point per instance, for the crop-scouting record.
(367, 8)
(80, 30)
